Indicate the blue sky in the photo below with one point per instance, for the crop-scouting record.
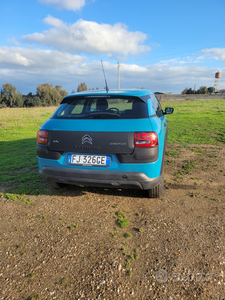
(161, 45)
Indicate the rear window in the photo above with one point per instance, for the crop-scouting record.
(101, 107)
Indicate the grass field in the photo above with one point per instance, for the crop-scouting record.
(18, 164)
(193, 122)
(94, 243)
(197, 122)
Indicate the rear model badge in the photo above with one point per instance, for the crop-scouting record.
(86, 139)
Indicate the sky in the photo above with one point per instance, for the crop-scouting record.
(162, 46)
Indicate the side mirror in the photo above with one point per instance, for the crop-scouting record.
(168, 111)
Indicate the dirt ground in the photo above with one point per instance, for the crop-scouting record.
(69, 245)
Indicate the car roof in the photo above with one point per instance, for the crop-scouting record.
(131, 92)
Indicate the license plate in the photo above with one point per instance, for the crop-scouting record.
(89, 160)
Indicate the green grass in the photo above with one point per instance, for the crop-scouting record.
(127, 266)
(193, 122)
(188, 166)
(123, 223)
(72, 227)
(197, 150)
(127, 235)
(18, 163)
(196, 122)
(172, 153)
(121, 215)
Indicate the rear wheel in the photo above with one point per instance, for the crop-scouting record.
(157, 191)
(57, 185)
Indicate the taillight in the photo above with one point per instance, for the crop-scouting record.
(146, 139)
(42, 136)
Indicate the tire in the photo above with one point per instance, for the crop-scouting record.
(157, 191)
(57, 185)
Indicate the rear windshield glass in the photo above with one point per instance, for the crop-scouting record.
(101, 107)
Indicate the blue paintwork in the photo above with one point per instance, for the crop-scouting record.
(135, 92)
(98, 125)
(151, 170)
(154, 123)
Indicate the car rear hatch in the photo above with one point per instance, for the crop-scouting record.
(84, 125)
(91, 141)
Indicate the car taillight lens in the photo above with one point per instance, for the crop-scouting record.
(146, 139)
(42, 136)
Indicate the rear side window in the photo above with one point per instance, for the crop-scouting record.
(105, 107)
(157, 106)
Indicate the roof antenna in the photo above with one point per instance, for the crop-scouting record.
(106, 85)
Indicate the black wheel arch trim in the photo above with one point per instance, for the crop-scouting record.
(164, 152)
(43, 152)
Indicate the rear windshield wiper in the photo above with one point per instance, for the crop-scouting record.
(92, 115)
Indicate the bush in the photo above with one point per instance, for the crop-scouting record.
(19, 102)
(2, 104)
(37, 101)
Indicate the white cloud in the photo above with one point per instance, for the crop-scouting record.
(49, 20)
(213, 53)
(65, 4)
(26, 68)
(216, 53)
(89, 37)
(134, 68)
(169, 61)
(182, 60)
(13, 41)
(17, 57)
(13, 57)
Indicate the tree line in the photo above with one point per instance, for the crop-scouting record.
(46, 95)
(83, 87)
(201, 90)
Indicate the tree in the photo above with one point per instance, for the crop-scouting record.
(43, 91)
(50, 95)
(36, 101)
(184, 91)
(2, 103)
(190, 91)
(202, 90)
(82, 87)
(9, 95)
(62, 92)
(19, 101)
(211, 90)
(28, 101)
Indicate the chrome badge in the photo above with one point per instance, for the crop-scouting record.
(86, 139)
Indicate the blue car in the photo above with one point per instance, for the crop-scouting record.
(107, 139)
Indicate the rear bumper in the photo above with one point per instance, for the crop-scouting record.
(139, 155)
(116, 179)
